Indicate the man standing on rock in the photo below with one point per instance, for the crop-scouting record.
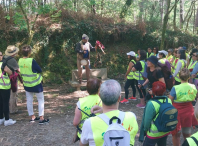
(83, 49)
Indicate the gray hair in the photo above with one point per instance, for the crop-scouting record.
(110, 91)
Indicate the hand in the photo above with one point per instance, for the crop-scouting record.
(139, 86)
(96, 109)
(85, 52)
(150, 92)
(193, 76)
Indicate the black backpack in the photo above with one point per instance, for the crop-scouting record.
(5, 60)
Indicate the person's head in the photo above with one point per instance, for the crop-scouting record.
(181, 54)
(193, 51)
(110, 93)
(1, 56)
(163, 54)
(149, 50)
(184, 74)
(131, 55)
(85, 38)
(175, 52)
(11, 50)
(155, 50)
(93, 86)
(170, 51)
(142, 55)
(158, 88)
(152, 61)
(195, 56)
(26, 50)
(138, 51)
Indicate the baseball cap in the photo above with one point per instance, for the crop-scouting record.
(163, 52)
(131, 53)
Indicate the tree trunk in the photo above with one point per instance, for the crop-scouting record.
(174, 19)
(125, 8)
(196, 21)
(162, 10)
(181, 13)
(102, 6)
(141, 5)
(165, 22)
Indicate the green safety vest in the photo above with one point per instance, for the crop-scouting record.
(30, 79)
(149, 55)
(137, 74)
(162, 61)
(99, 127)
(185, 92)
(131, 74)
(173, 64)
(86, 104)
(177, 76)
(169, 57)
(192, 64)
(6, 84)
(191, 142)
(153, 132)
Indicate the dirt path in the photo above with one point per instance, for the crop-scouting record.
(60, 102)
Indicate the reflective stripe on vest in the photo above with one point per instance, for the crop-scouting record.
(86, 104)
(185, 92)
(174, 64)
(30, 79)
(99, 127)
(130, 75)
(153, 132)
(177, 76)
(137, 74)
(192, 64)
(5, 82)
(191, 141)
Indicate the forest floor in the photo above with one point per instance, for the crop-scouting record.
(60, 103)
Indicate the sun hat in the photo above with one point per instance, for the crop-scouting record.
(11, 50)
(83, 62)
(153, 60)
(131, 53)
(84, 36)
(163, 52)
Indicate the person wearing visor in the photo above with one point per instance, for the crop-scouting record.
(162, 56)
(83, 49)
(130, 78)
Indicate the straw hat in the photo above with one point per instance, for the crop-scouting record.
(11, 50)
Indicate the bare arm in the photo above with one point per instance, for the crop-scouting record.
(171, 98)
(162, 80)
(80, 144)
(77, 117)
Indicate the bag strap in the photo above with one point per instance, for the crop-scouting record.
(106, 119)
(195, 140)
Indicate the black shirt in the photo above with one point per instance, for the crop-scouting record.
(154, 76)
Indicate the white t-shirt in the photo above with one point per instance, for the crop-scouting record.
(87, 133)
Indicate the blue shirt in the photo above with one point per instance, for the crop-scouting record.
(38, 88)
(195, 69)
(173, 93)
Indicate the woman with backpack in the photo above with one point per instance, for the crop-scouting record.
(181, 63)
(140, 75)
(182, 96)
(8, 66)
(130, 78)
(193, 140)
(154, 74)
(32, 81)
(148, 126)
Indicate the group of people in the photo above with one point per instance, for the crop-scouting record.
(28, 72)
(145, 74)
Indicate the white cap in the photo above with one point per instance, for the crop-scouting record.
(84, 36)
(164, 52)
(131, 53)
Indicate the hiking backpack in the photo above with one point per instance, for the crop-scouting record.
(167, 115)
(116, 134)
(4, 64)
(167, 75)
